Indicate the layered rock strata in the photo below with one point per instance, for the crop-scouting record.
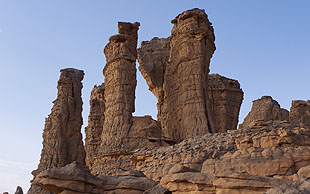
(95, 123)
(62, 138)
(76, 179)
(271, 156)
(225, 97)
(300, 112)
(185, 79)
(265, 109)
(120, 84)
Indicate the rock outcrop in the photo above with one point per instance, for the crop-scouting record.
(264, 109)
(62, 138)
(190, 102)
(153, 58)
(182, 152)
(120, 84)
(75, 178)
(185, 79)
(300, 112)
(95, 123)
(225, 97)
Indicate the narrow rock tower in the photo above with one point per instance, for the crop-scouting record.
(120, 84)
(186, 77)
(95, 123)
(62, 138)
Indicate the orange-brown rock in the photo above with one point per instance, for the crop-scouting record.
(190, 102)
(300, 112)
(75, 178)
(62, 138)
(120, 84)
(185, 79)
(264, 109)
(225, 99)
(95, 123)
(153, 58)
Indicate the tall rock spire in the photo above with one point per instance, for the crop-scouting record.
(62, 138)
(120, 85)
(186, 77)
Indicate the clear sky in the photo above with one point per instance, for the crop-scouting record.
(264, 44)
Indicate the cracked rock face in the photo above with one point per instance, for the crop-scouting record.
(95, 123)
(190, 102)
(120, 84)
(225, 97)
(264, 109)
(300, 112)
(62, 138)
(75, 178)
(185, 80)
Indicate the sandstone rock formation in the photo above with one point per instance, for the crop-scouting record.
(176, 71)
(264, 109)
(269, 157)
(300, 112)
(182, 151)
(225, 100)
(120, 84)
(185, 80)
(153, 58)
(95, 123)
(62, 138)
(74, 178)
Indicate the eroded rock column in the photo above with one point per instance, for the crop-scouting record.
(226, 97)
(120, 84)
(95, 123)
(153, 57)
(185, 80)
(62, 138)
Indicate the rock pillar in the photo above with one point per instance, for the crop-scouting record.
(120, 85)
(95, 123)
(185, 80)
(62, 138)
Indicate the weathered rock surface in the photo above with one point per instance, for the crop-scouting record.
(226, 98)
(185, 79)
(264, 109)
(183, 150)
(268, 149)
(75, 178)
(120, 84)
(153, 57)
(95, 123)
(300, 112)
(62, 138)
(190, 102)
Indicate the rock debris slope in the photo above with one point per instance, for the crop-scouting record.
(193, 148)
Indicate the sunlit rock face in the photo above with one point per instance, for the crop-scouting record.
(264, 109)
(62, 138)
(300, 112)
(194, 146)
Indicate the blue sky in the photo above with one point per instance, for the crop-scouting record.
(264, 44)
